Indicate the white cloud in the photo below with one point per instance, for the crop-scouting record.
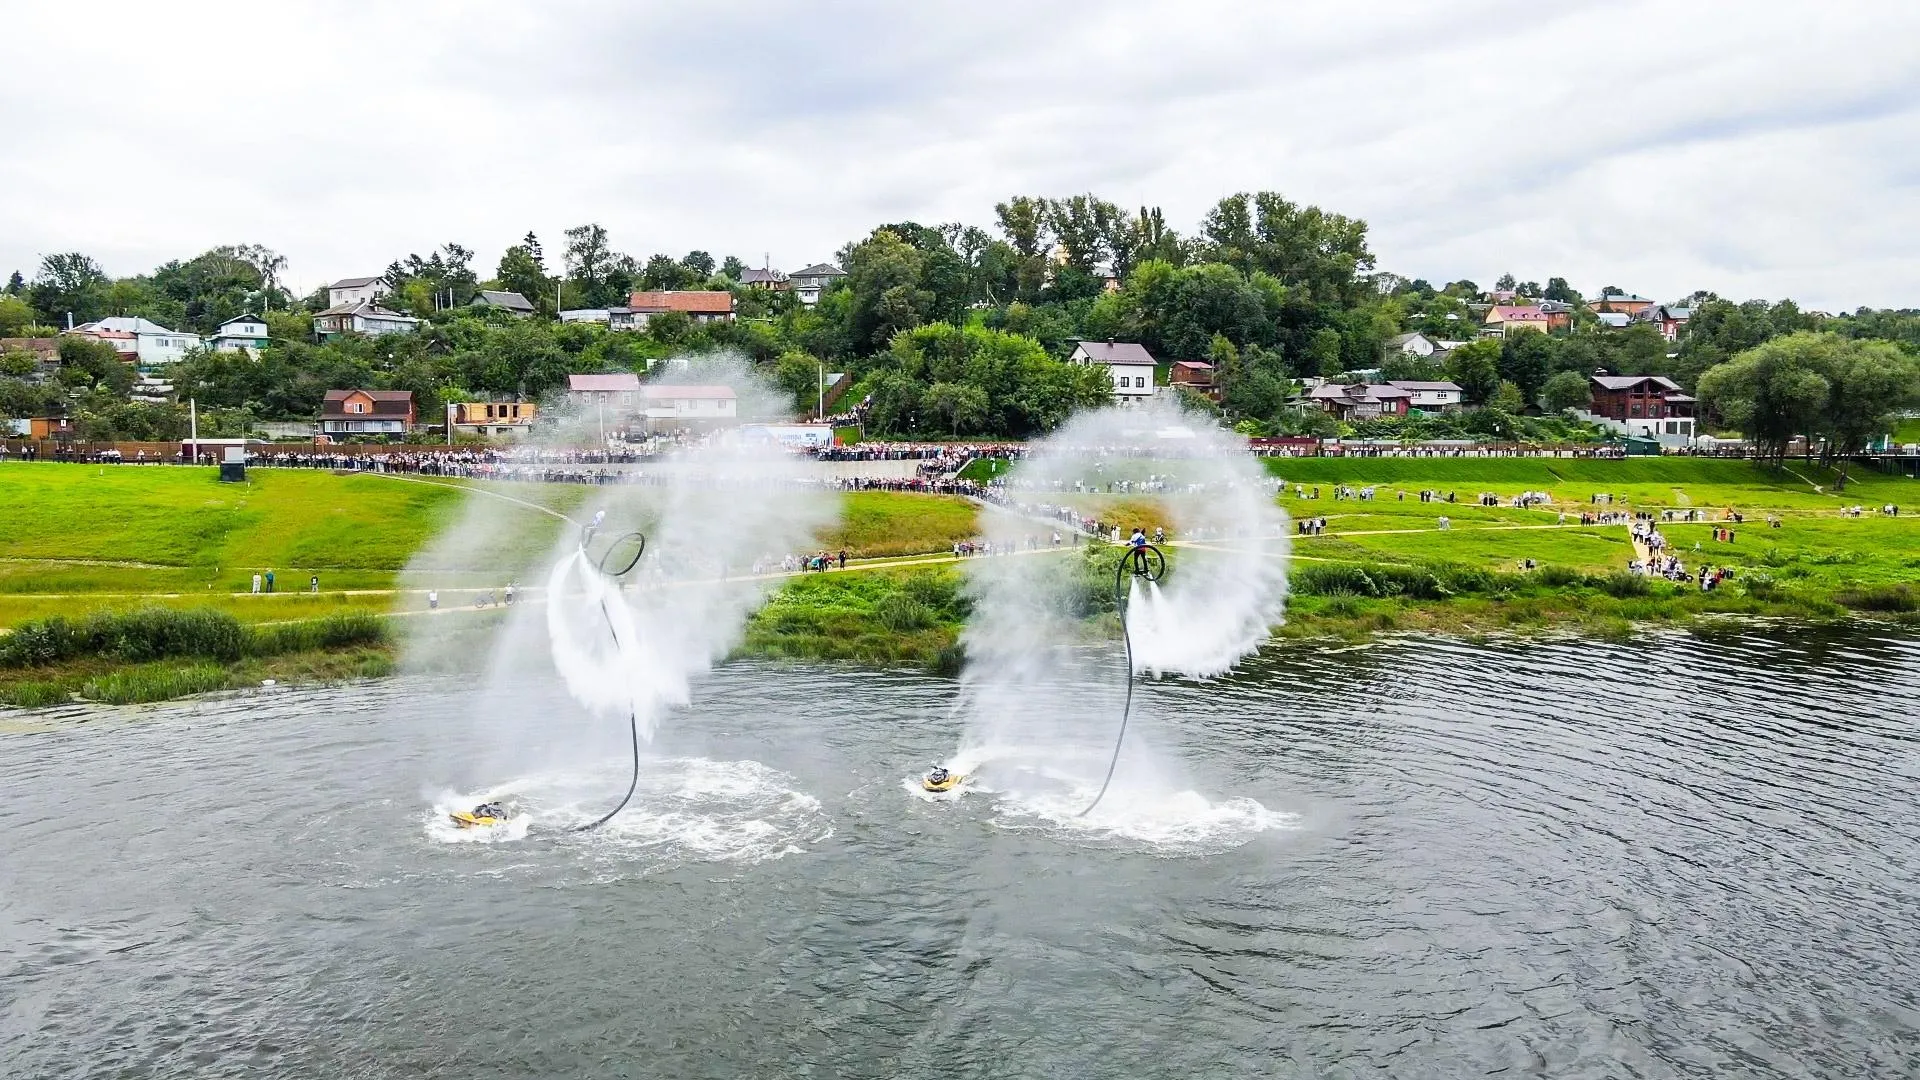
(1754, 148)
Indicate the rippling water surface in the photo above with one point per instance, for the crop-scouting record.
(1687, 856)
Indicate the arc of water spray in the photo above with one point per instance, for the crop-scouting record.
(633, 712)
(1147, 562)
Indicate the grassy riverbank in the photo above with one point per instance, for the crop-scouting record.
(82, 540)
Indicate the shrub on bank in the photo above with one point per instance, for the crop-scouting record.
(158, 633)
(136, 685)
(1888, 598)
(334, 631)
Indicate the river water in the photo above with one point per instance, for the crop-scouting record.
(1684, 856)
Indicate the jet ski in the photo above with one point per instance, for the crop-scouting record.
(941, 780)
(481, 816)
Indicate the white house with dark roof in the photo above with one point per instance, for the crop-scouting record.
(1128, 363)
(152, 343)
(765, 277)
(241, 332)
(362, 317)
(354, 290)
(808, 283)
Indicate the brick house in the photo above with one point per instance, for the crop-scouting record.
(1650, 406)
(356, 413)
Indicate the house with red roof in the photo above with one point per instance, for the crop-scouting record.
(700, 305)
(355, 414)
(1503, 319)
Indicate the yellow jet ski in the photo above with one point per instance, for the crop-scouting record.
(480, 816)
(941, 780)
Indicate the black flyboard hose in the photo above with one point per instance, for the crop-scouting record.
(633, 717)
(1143, 566)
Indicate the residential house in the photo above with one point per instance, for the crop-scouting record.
(1361, 401)
(1629, 303)
(1129, 364)
(619, 392)
(241, 332)
(1559, 314)
(124, 343)
(1648, 406)
(354, 290)
(669, 405)
(153, 344)
(1504, 319)
(810, 282)
(493, 417)
(44, 350)
(763, 278)
(1412, 344)
(362, 317)
(1669, 319)
(701, 305)
(347, 415)
(511, 302)
(1195, 375)
(1439, 396)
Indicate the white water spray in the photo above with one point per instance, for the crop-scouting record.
(1041, 707)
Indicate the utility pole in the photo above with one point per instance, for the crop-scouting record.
(823, 394)
(449, 423)
(193, 427)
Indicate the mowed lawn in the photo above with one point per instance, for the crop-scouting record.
(1814, 542)
(76, 537)
(874, 524)
(297, 522)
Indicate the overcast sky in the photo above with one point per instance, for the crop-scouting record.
(1754, 148)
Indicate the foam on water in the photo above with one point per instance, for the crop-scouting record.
(1040, 787)
(684, 810)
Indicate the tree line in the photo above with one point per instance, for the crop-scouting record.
(945, 329)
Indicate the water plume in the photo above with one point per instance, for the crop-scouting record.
(1041, 704)
(714, 509)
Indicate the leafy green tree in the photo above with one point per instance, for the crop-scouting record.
(1526, 359)
(666, 272)
(1507, 398)
(1774, 391)
(1299, 246)
(883, 278)
(1558, 289)
(963, 408)
(1869, 383)
(594, 266)
(700, 262)
(1566, 390)
(1475, 368)
(15, 315)
(86, 364)
(521, 271)
(16, 284)
(69, 284)
(731, 267)
(1505, 283)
